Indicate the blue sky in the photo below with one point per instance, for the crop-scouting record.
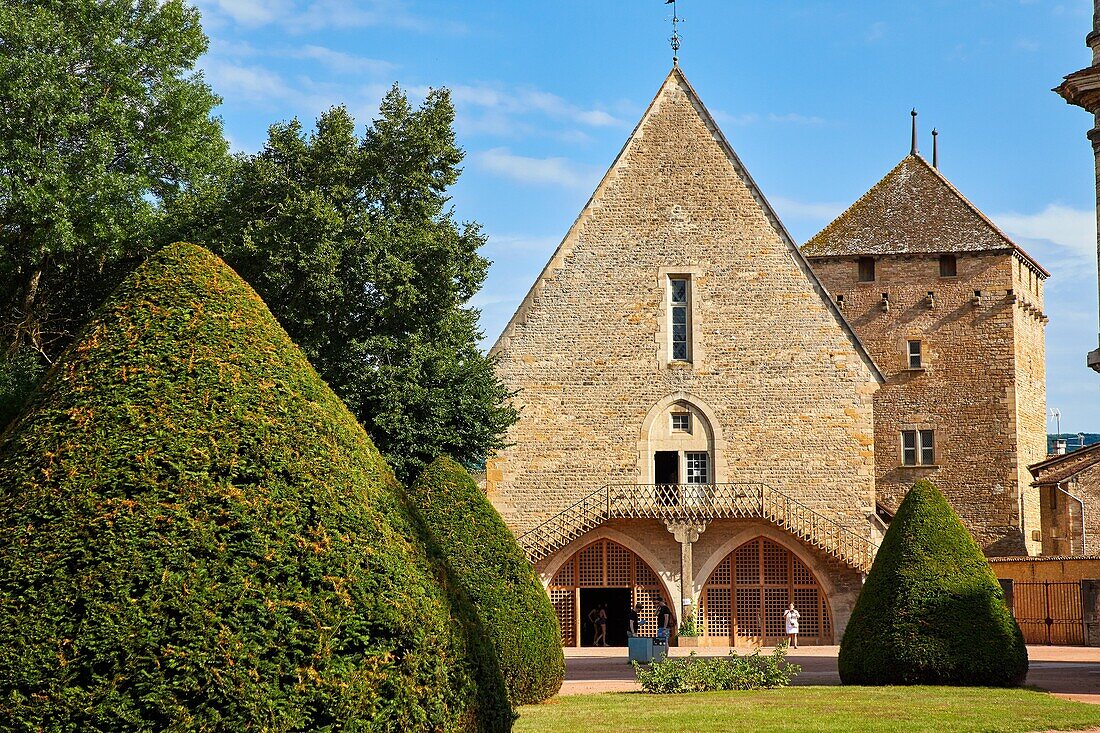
(813, 95)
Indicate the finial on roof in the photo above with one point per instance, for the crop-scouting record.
(935, 149)
(913, 147)
(675, 38)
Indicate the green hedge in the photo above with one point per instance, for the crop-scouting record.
(485, 561)
(931, 610)
(195, 534)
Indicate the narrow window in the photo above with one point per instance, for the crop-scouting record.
(948, 266)
(681, 422)
(915, 361)
(909, 447)
(927, 448)
(679, 295)
(866, 269)
(698, 468)
(918, 448)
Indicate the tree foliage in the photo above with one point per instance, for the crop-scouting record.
(483, 559)
(931, 610)
(195, 534)
(101, 120)
(352, 243)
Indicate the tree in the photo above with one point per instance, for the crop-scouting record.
(101, 120)
(195, 534)
(482, 558)
(355, 248)
(931, 611)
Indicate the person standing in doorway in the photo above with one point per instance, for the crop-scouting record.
(634, 620)
(664, 622)
(790, 617)
(601, 626)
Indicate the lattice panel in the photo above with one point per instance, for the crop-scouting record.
(775, 603)
(590, 566)
(746, 560)
(775, 564)
(564, 606)
(808, 605)
(721, 574)
(643, 576)
(801, 574)
(619, 560)
(748, 611)
(826, 622)
(567, 574)
(651, 601)
(717, 611)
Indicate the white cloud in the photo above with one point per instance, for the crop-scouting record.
(298, 16)
(343, 63)
(250, 83)
(1073, 230)
(792, 209)
(526, 101)
(539, 171)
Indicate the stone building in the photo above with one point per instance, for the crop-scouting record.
(696, 413)
(1082, 88)
(951, 310)
(1069, 486)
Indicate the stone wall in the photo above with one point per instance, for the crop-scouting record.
(786, 388)
(980, 387)
(1031, 393)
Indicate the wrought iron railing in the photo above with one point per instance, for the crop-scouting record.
(698, 503)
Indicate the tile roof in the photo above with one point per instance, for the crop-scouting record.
(1060, 468)
(912, 210)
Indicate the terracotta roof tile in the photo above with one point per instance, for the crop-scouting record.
(912, 210)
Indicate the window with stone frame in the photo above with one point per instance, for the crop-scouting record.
(681, 422)
(698, 467)
(914, 353)
(679, 315)
(918, 448)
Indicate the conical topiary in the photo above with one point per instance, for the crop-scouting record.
(195, 534)
(486, 563)
(931, 610)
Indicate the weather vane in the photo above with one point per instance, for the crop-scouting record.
(675, 39)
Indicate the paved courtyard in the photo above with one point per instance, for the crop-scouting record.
(1068, 671)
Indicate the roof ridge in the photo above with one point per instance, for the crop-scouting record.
(981, 214)
(819, 244)
(739, 169)
(1054, 460)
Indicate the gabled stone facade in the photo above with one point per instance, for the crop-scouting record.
(678, 335)
(914, 262)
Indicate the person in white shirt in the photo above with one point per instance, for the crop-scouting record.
(791, 616)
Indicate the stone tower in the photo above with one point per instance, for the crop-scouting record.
(952, 312)
(1082, 88)
(695, 413)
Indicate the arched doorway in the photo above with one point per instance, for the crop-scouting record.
(744, 598)
(604, 572)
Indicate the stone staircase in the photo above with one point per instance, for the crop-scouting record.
(698, 503)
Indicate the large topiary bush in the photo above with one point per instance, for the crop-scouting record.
(483, 558)
(196, 535)
(931, 610)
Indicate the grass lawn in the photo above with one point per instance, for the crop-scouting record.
(813, 710)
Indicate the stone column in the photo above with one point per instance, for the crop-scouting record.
(686, 533)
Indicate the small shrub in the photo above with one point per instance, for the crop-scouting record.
(688, 627)
(931, 611)
(482, 558)
(705, 674)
